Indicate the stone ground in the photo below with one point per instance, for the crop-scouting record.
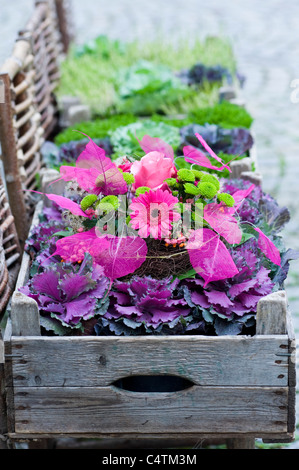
(265, 35)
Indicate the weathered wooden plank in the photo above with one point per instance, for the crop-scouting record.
(219, 436)
(3, 414)
(271, 316)
(291, 375)
(99, 361)
(241, 443)
(108, 409)
(24, 315)
(9, 391)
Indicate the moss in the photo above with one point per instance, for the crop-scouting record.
(226, 198)
(225, 114)
(96, 129)
(88, 201)
(207, 190)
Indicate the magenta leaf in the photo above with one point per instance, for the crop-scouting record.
(118, 256)
(94, 172)
(220, 218)
(74, 247)
(193, 155)
(85, 177)
(149, 144)
(196, 156)
(210, 257)
(241, 194)
(122, 257)
(66, 203)
(109, 179)
(268, 247)
(208, 149)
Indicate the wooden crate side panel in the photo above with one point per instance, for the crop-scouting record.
(109, 410)
(99, 361)
(291, 374)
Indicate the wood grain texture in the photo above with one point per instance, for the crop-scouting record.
(99, 361)
(24, 315)
(271, 316)
(109, 410)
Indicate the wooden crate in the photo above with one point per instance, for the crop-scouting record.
(239, 387)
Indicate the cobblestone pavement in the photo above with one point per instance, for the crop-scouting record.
(265, 36)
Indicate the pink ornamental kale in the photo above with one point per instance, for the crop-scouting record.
(147, 301)
(68, 294)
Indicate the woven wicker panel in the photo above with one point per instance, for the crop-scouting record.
(65, 22)
(43, 32)
(5, 289)
(10, 251)
(21, 134)
(28, 108)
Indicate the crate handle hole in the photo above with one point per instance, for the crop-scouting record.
(153, 383)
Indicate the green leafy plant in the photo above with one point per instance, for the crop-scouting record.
(97, 128)
(124, 139)
(91, 72)
(225, 114)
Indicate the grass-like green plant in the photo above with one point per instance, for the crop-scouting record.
(96, 129)
(224, 114)
(91, 72)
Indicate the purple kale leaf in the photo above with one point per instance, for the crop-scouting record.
(67, 153)
(69, 294)
(41, 234)
(145, 304)
(231, 304)
(235, 141)
(199, 73)
(259, 207)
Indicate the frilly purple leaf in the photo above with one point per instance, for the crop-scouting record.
(68, 293)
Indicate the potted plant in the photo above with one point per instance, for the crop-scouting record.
(141, 269)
